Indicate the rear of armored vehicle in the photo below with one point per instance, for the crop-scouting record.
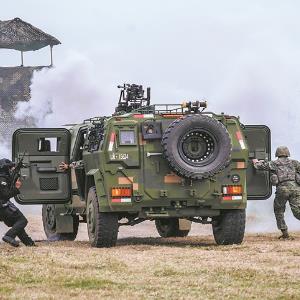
(162, 163)
(175, 168)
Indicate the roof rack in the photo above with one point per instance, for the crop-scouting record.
(159, 109)
(94, 120)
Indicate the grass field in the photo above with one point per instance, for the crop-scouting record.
(154, 268)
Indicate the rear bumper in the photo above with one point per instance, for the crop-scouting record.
(151, 213)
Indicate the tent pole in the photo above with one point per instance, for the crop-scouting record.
(22, 59)
(51, 55)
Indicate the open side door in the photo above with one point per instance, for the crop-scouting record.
(258, 138)
(43, 150)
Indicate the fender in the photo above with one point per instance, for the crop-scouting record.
(94, 178)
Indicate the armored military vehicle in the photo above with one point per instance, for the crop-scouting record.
(170, 163)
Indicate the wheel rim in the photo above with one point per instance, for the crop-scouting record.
(91, 220)
(50, 217)
(197, 147)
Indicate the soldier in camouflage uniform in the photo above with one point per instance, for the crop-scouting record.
(285, 175)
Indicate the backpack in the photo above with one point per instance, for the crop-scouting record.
(286, 171)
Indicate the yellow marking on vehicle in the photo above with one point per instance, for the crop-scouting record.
(241, 165)
(125, 180)
(172, 178)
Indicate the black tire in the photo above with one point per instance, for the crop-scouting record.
(49, 223)
(229, 227)
(170, 228)
(102, 227)
(197, 146)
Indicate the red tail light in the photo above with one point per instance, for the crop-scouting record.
(232, 190)
(121, 192)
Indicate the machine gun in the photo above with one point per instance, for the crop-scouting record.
(94, 137)
(132, 97)
(15, 175)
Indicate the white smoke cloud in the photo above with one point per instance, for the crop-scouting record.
(72, 92)
(5, 148)
(68, 93)
(261, 217)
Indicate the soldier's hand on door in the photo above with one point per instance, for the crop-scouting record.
(63, 166)
(18, 184)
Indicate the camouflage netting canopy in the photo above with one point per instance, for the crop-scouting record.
(19, 35)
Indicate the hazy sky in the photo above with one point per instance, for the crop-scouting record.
(190, 46)
(242, 56)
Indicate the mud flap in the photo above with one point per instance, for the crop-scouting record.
(64, 224)
(184, 224)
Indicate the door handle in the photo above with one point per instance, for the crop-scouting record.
(148, 154)
(46, 169)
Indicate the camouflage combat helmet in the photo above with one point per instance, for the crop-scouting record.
(282, 151)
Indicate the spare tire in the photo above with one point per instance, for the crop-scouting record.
(197, 146)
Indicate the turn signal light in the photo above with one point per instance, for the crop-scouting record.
(121, 192)
(233, 190)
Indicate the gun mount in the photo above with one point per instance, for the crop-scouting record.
(132, 97)
(194, 107)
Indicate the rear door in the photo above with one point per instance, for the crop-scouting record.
(43, 150)
(258, 138)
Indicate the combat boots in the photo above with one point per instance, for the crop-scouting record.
(285, 235)
(11, 241)
(30, 243)
(25, 239)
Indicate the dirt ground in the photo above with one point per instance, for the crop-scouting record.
(145, 266)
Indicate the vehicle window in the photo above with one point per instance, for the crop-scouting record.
(48, 144)
(127, 137)
(79, 144)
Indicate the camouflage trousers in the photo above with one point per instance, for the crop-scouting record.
(286, 194)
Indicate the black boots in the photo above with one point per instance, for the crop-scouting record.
(26, 240)
(10, 241)
(29, 242)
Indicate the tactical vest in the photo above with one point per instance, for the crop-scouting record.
(285, 170)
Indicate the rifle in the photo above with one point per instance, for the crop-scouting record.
(15, 175)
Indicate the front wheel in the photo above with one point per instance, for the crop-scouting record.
(102, 227)
(171, 228)
(229, 227)
(49, 223)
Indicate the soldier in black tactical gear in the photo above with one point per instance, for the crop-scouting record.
(9, 213)
(285, 175)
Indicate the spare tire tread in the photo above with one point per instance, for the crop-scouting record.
(188, 174)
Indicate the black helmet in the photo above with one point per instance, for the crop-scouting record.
(5, 165)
